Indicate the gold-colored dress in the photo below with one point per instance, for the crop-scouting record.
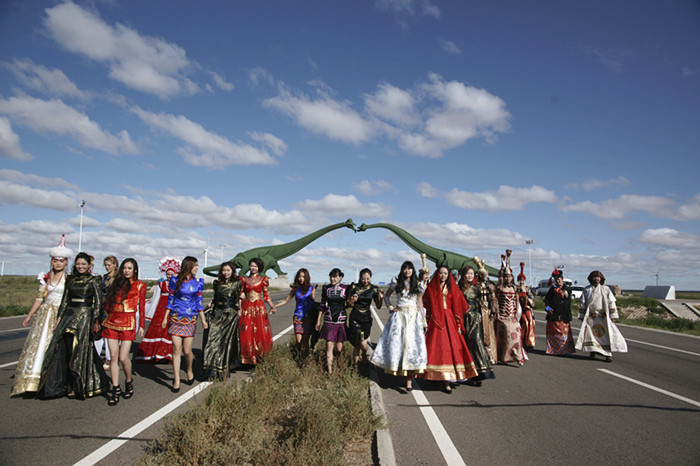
(28, 371)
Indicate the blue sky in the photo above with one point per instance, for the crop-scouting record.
(473, 125)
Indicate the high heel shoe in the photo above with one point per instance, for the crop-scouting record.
(114, 396)
(129, 389)
(174, 389)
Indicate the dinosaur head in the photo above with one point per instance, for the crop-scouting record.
(362, 227)
(350, 224)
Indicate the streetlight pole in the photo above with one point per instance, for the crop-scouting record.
(80, 235)
(529, 257)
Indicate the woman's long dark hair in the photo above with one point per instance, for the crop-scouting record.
(463, 277)
(81, 255)
(186, 267)
(307, 280)
(119, 289)
(221, 277)
(413, 280)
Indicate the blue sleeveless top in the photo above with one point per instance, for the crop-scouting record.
(304, 302)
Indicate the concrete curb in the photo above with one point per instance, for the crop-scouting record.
(385, 446)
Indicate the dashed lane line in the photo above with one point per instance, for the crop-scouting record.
(651, 387)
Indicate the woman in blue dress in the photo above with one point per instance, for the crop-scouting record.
(304, 294)
(184, 304)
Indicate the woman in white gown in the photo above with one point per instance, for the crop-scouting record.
(43, 313)
(598, 311)
(401, 348)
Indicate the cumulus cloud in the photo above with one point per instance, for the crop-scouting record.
(450, 47)
(220, 82)
(324, 115)
(207, 149)
(343, 206)
(52, 82)
(9, 142)
(690, 210)
(272, 142)
(17, 194)
(372, 188)
(505, 198)
(29, 179)
(54, 116)
(594, 183)
(393, 104)
(671, 238)
(618, 209)
(147, 64)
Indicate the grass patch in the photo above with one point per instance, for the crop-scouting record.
(673, 325)
(291, 413)
(17, 294)
(652, 304)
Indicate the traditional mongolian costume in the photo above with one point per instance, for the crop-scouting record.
(304, 320)
(360, 317)
(597, 308)
(527, 319)
(157, 346)
(448, 355)
(255, 334)
(558, 306)
(72, 362)
(28, 372)
(401, 348)
(184, 305)
(473, 326)
(334, 313)
(121, 322)
(508, 334)
(221, 348)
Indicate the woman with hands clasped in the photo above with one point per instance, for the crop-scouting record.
(184, 305)
(255, 333)
(401, 348)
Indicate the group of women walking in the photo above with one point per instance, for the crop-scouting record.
(439, 328)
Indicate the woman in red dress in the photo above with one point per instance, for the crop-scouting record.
(254, 327)
(125, 297)
(527, 304)
(449, 359)
(157, 346)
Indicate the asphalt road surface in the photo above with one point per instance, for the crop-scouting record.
(551, 411)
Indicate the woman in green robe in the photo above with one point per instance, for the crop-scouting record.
(221, 346)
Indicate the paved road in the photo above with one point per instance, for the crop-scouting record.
(64, 431)
(552, 410)
(558, 410)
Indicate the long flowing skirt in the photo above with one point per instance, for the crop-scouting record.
(600, 335)
(156, 346)
(448, 355)
(28, 373)
(255, 333)
(72, 362)
(509, 339)
(559, 338)
(401, 348)
(527, 329)
(489, 336)
(221, 348)
(475, 342)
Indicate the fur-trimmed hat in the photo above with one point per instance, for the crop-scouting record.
(61, 251)
(169, 263)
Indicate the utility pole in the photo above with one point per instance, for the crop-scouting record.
(529, 257)
(80, 235)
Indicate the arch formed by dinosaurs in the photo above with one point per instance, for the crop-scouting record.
(271, 255)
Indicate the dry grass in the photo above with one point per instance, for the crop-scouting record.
(17, 294)
(291, 413)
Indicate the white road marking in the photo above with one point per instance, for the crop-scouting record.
(651, 387)
(14, 329)
(130, 433)
(644, 342)
(442, 438)
(8, 364)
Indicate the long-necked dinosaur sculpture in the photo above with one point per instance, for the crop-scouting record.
(436, 255)
(270, 255)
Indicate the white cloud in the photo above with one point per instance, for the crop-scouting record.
(505, 198)
(450, 47)
(343, 207)
(144, 63)
(620, 208)
(454, 235)
(9, 142)
(52, 82)
(393, 104)
(205, 148)
(220, 82)
(372, 188)
(671, 239)
(323, 115)
(16, 194)
(594, 183)
(272, 142)
(427, 190)
(29, 179)
(408, 7)
(55, 116)
(690, 210)
(259, 76)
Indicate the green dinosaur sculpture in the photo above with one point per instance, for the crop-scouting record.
(436, 255)
(270, 255)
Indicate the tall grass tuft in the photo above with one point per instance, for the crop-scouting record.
(292, 412)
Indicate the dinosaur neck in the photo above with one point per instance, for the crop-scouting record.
(287, 249)
(419, 246)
